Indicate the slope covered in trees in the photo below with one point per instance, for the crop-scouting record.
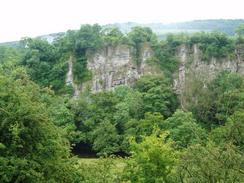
(159, 140)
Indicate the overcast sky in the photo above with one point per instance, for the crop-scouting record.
(20, 18)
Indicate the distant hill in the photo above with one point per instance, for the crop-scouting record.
(14, 44)
(222, 25)
(48, 37)
(227, 26)
(51, 37)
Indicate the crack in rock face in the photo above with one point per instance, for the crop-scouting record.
(69, 77)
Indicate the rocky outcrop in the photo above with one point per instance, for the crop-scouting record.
(115, 66)
(191, 65)
(70, 78)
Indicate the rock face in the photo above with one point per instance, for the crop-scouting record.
(69, 77)
(192, 66)
(115, 66)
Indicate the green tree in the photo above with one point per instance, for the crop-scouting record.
(43, 64)
(211, 163)
(152, 160)
(10, 55)
(165, 57)
(106, 139)
(94, 119)
(32, 149)
(87, 40)
(240, 30)
(213, 103)
(113, 37)
(138, 36)
(232, 131)
(143, 127)
(130, 105)
(184, 129)
(213, 44)
(158, 95)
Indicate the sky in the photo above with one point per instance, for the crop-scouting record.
(22, 18)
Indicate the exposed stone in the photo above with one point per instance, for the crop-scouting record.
(114, 66)
(203, 69)
(70, 79)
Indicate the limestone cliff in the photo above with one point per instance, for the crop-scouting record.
(115, 66)
(191, 65)
(112, 67)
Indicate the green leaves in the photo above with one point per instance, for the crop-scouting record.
(157, 94)
(152, 160)
(44, 64)
(218, 100)
(107, 119)
(232, 131)
(240, 30)
(113, 37)
(34, 148)
(184, 129)
(106, 139)
(213, 44)
(139, 36)
(211, 164)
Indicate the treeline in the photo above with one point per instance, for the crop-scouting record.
(163, 141)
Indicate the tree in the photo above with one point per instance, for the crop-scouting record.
(157, 93)
(184, 129)
(143, 127)
(130, 105)
(152, 160)
(213, 44)
(211, 163)
(9, 55)
(43, 64)
(232, 131)
(94, 120)
(228, 91)
(106, 139)
(240, 30)
(88, 37)
(87, 40)
(164, 56)
(139, 36)
(113, 37)
(32, 148)
(213, 103)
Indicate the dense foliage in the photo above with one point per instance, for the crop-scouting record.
(44, 63)
(32, 148)
(157, 139)
(116, 113)
(214, 45)
(139, 36)
(220, 99)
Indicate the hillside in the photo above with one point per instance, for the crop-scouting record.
(165, 110)
(225, 26)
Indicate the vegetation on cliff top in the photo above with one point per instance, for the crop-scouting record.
(160, 140)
